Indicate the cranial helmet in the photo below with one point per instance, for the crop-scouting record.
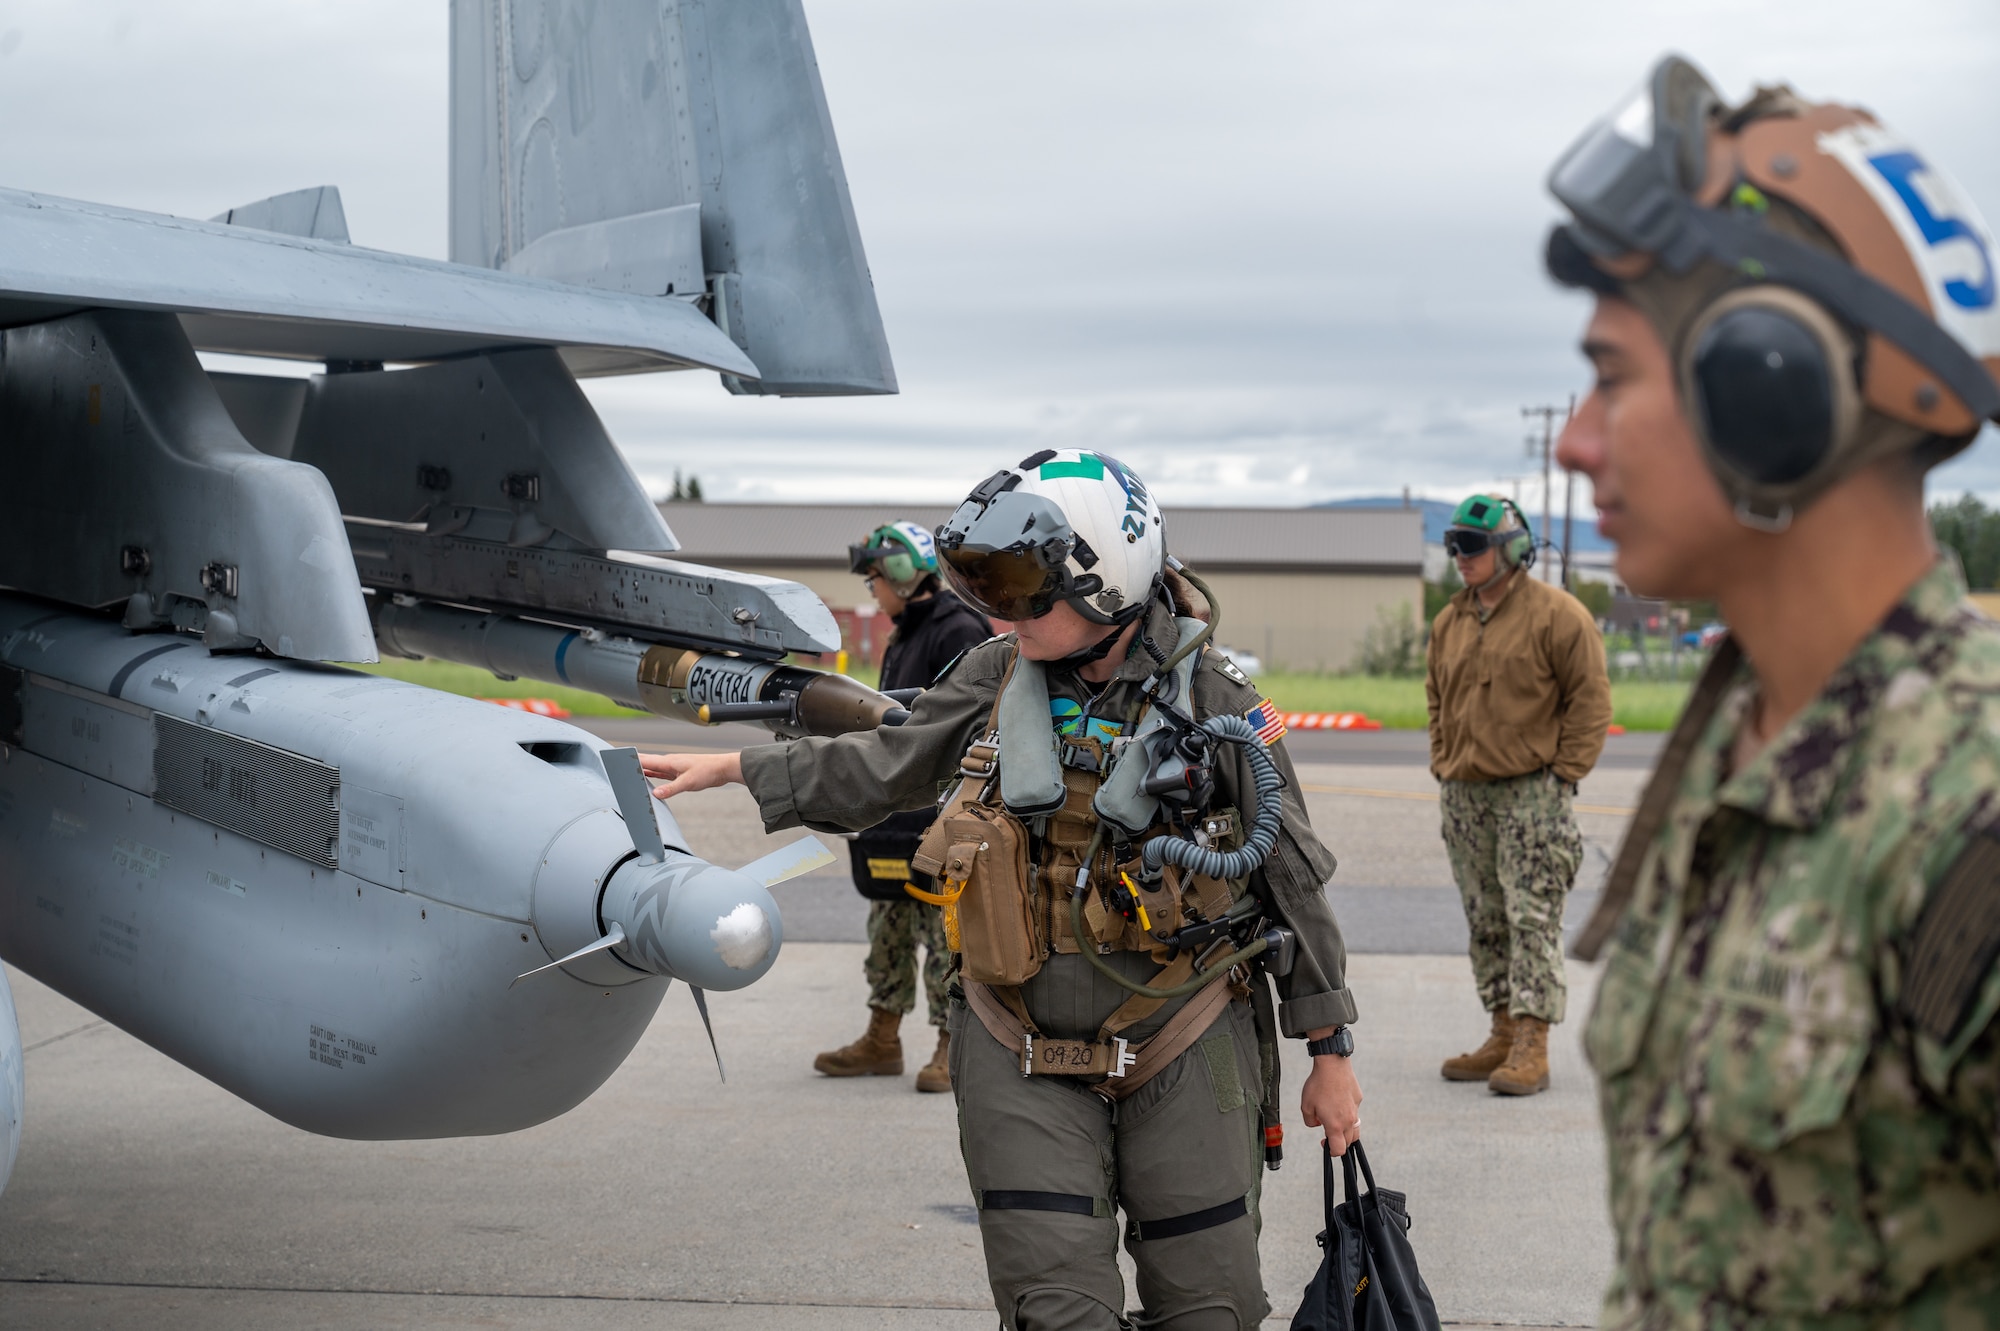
(902, 552)
(1065, 525)
(1483, 522)
(1827, 295)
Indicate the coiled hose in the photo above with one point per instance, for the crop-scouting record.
(1205, 860)
(1238, 863)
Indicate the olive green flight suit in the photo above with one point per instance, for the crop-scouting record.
(1051, 1162)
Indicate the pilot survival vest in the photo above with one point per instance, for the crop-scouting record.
(1006, 851)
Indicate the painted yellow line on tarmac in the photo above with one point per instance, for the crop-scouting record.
(1611, 810)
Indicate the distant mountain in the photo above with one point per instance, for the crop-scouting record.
(1437, 516)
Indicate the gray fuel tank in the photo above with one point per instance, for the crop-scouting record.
(313, 886)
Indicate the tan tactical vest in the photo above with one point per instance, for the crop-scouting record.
(1007, 899)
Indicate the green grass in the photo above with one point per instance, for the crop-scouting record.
(1399, 703)
(472, 682)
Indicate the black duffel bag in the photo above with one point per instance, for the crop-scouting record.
(1367, 1278)
(881, 856)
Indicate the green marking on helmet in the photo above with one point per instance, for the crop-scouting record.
(1750, 197)
(1089, 467)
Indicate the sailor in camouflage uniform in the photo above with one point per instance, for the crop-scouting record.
(1795, 1032)
(1519, 707)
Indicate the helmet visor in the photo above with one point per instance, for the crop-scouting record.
(1005, 555)
(1003, 584)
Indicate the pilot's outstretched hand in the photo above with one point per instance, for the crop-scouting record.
(682, 772)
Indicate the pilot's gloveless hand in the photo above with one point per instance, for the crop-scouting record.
(1331, 1100)
(682, 772)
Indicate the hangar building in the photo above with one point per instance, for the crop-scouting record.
(1299, 586)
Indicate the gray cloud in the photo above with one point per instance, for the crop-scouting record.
(1268, 253)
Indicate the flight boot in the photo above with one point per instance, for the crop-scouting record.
(1526, 1070)
(936, 1074)
(1481, 1062)
(878, 1053)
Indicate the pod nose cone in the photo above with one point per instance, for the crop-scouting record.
(712, 927)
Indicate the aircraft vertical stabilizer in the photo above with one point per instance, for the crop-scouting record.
(588, 138)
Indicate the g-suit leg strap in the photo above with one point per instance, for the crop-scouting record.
(1143, 1231)
(1017, 1199)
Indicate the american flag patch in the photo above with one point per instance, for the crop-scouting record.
(1268, 721)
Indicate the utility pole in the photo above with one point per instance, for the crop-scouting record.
(1546, 445)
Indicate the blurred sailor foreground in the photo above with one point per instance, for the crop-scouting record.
(1795, 1032)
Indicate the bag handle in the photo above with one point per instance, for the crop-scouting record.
(1354, 1160)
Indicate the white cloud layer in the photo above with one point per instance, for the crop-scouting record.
(1270, 253)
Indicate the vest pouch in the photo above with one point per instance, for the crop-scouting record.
(987, 851)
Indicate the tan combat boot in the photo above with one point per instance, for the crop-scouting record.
(936, 1074)
(1526, 1070)
(1479, 1064)
(878, 1053)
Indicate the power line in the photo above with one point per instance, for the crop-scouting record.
(1545, 445)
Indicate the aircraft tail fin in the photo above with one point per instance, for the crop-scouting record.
(642, 144)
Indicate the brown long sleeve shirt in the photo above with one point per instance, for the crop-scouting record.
(1517, 690)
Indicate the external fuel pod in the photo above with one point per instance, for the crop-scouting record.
(315, 887)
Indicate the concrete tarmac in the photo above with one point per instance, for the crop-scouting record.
(145, 1196)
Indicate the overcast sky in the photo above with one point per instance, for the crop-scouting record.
(1271, 252)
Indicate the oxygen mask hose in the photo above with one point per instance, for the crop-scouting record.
(1238, 863)
(1205, 860)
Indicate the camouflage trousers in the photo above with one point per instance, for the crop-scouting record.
(1514, 850)
(895, 930)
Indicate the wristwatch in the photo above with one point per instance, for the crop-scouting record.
(1341, 1042)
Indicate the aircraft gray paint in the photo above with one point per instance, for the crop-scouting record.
(373, 910)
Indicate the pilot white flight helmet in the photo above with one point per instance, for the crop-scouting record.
(1064, 525)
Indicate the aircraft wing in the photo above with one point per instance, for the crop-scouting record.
(263, 293)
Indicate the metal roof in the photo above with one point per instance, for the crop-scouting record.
(1274, 540)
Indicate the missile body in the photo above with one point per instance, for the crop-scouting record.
(314, 886)
(686, 683)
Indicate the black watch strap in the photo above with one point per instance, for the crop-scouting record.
(1341, 1042)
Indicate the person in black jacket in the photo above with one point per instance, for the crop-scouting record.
(933, 627)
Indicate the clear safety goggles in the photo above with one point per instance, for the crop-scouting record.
(1630, 180)
(1630, 184)
(1005, 553)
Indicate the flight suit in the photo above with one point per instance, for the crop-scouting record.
(1795, 1033)
(1051, 1162)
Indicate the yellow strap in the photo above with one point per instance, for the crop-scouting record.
(936, 898)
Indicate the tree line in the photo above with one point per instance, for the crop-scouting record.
(1970, 530)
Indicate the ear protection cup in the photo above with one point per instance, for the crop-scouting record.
(1769, 381)
(1518, 550)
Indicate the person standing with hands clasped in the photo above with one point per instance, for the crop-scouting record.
(1519, 706)
(933, 629)
(1129, 866)
(1795, 1036)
